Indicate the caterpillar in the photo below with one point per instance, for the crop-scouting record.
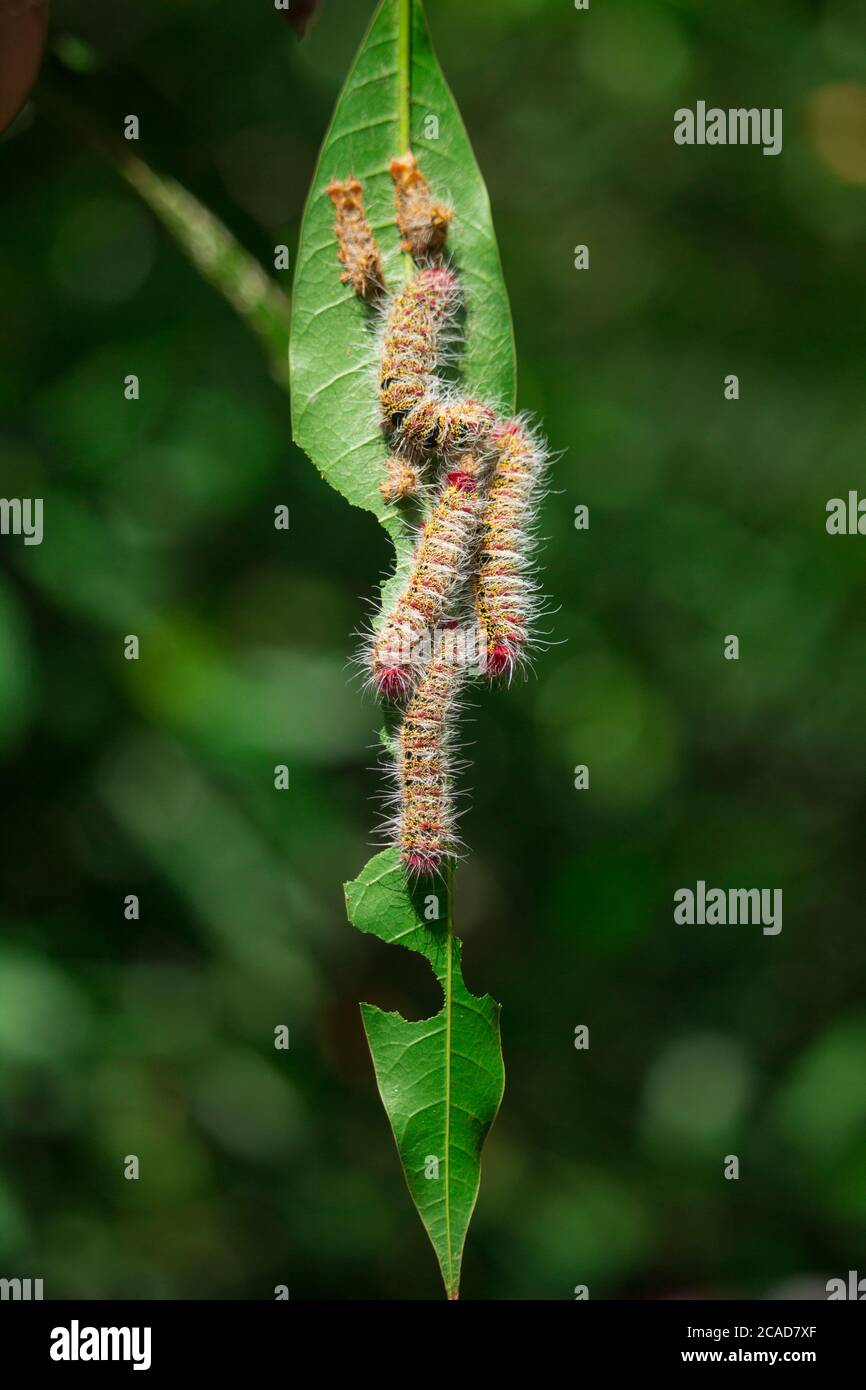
(416, 320)
(506, 594)
(479, 530)
(357, 248)
(424, 825)
(420, 415)
(415, 409)
(423, 223)
(439, 565)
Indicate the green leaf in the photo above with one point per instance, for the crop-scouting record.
(440, 1079)
(332, 350)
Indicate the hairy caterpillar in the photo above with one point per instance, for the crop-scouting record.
(506, 594)
(415, 322)
(417, 319)
(357, 248)
(416, 409)
(423, 223)
(479, 528)
(440, 562)
(424, 825)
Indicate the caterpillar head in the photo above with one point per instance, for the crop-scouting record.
(463, 475)
(392, 680)
(424, 863)
(501, 660)
(463, 479)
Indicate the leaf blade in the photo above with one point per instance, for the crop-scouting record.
(441, 1079)
(456, 1068)
(332, 348)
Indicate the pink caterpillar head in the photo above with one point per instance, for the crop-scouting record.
(423, 863)
(501, 660)
(464, 478)
(392, 679)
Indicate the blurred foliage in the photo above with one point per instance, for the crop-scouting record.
(707, 517)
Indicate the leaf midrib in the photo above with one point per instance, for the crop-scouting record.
(449, 1002)
(404, 79)
(469, 1092)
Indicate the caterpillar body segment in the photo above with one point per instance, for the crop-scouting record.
(417, 319)
(425, 819)
(423, 222)
(447, 427)
(506, 591)
(440, 562)
(357, 247)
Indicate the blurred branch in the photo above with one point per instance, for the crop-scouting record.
(216, 254)
(219, 258)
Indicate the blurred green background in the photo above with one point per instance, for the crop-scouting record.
(155, 778)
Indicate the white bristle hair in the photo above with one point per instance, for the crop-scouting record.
(422, 817)
(508, 598)
(394, 652)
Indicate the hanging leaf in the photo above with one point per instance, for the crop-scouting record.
(332, 352)
(441, 1079)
